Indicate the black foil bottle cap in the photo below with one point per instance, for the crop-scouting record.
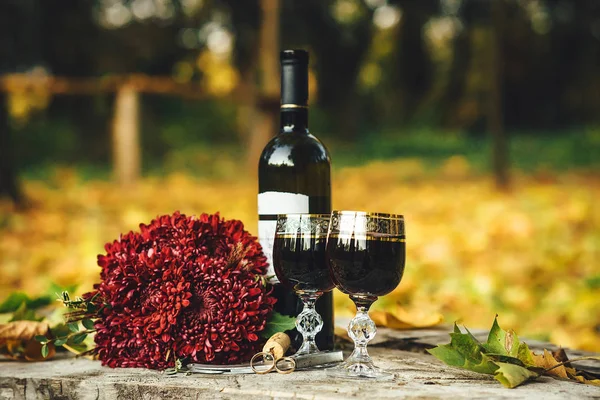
(294, 78)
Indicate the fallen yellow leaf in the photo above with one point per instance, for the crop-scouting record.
(400, 318)
(17, 340)
(342, 333)
(469, 273)
(572, 373)
(22, 330)
(546, 361)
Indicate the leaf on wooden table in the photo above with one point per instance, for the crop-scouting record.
(22, 330)
(17, 340)
(550, 362)
(464, 351)
(580, 377)
(507, 358)
(507, 343)
(547, 361)
(401, 318)
(511, 375)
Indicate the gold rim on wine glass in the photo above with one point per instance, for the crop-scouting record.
(308, 215)
(368, 214)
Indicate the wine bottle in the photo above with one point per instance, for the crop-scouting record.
(294, 177)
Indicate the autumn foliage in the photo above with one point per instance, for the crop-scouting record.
(530, 255)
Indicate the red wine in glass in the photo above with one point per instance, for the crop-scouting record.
(370, 265)
(300, 264)
(366, 254)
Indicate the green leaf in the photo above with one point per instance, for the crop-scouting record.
(525, 355)
(73, 326)
(54, 289)
(45, 350)
(88, 323)
(77, 348)
(485, 366)
(13, 302)
(79, 338)
(448, 354)
(461, 347)
(456, 328)
(278, 323)
(467, 346)
(91, 308)
(503, 355)
(464, 351)
(60, 341)
(25, 314)
(499, 341)
(505, 359)
(41, 338)
(507, 343)
(39, 302)
(463, 356)
(470, 335)
(593, 282)
(511, 375)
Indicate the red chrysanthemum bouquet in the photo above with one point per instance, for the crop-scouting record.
(181, 288)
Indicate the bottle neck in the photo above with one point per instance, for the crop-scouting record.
(294, 120)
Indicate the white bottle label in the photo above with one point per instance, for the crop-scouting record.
(269, 205)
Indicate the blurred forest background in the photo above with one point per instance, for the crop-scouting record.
(479, 120)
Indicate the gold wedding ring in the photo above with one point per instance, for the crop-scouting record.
(288, 368)
(265, 358)
(283, 365)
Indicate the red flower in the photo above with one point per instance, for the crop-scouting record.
(182, 287)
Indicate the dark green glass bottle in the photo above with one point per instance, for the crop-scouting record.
(294, 177)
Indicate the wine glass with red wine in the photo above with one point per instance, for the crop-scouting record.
(300, 264)
(366, 254)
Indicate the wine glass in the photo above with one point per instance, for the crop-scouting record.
(300, 265)
(366, 254)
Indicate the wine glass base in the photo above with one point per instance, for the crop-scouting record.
(359, 370)
(307, 348)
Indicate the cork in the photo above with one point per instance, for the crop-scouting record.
(277, 345)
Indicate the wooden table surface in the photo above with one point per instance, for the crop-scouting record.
(417, 375)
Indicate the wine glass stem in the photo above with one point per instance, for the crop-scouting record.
(309, 323)
(361, 330)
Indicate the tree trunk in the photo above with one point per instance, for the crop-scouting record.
(8, 175)
(456, 85)
(339, 51)
(264, 124)
(495, 110)
(18, 22)
(412, 76)
(126, 140)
